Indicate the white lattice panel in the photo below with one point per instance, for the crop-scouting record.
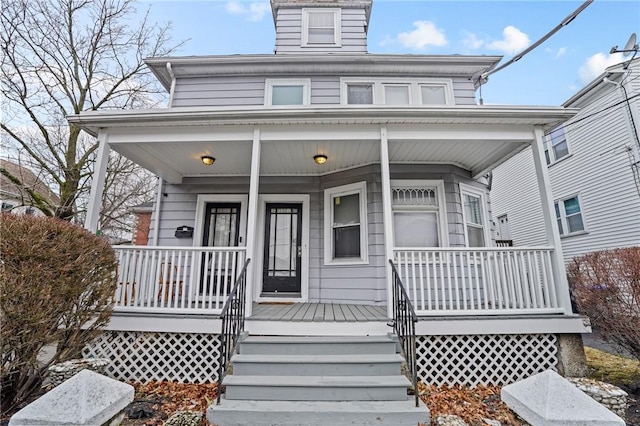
(488, 359)
(144, 357)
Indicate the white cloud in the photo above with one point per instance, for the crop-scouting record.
(596, 64)
(513, 41)
(424, 34)
(561, 52)
(472, 42)
(253, 12)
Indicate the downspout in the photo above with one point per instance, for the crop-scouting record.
(156, 213)
(173, 84)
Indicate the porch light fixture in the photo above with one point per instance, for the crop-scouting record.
(208, 160)
(320, 158)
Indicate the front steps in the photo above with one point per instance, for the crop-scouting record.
(284, 380)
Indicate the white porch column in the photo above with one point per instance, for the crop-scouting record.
(97, 184)
(252, 218)
(387, 214)
(548, 211)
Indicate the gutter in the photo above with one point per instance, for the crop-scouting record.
(173, 84)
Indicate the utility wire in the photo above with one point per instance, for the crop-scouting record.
(544, 38)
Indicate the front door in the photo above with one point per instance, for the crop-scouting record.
(221, 229)
(282, 266)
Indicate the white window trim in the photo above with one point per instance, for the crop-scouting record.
(548, 146)
(270, 83)
(329, 193)
(415, 94)
(563, 216)
(441, 210)
(337, 23)
(203, 199)
(468, 189)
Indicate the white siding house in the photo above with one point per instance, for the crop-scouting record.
(318, 165)
(594, 167)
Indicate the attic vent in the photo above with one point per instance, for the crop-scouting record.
(418, 197)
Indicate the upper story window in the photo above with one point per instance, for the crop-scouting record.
(287, 92)
(569, 215)
(475, 215)
(320, 27)
(356, 91)
(345, 233)
(555, 145)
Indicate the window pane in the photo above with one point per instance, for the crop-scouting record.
(396, 95)
(476, 236)
(360, 94)
(321, 19)
(321, 28)
(346, 242)
(321, 36)
(561, 149)
(571, 206)
(575, 223)
(287, 95)
(472, 209)
(433, 95)
(415, 229)
(560, 228)
(346, 210)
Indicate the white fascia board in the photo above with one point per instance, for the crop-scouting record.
(370, 114)
(556, 324)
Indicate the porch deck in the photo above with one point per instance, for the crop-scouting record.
(318, 312)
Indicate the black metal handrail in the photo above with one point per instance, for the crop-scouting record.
(232, 317)
(404, 324)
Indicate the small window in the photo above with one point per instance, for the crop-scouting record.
(555, 145)
(360, 93)
(287, 92)
(321, 27)
(345, 224)
(474, 214)
(569, 216)
(433, 94)
(396, 94)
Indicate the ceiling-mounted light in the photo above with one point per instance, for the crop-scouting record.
(320, 158)
(208, 160)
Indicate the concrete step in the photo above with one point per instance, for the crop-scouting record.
(317, 388)
(303, 413)
(317, 345)
(317, 365)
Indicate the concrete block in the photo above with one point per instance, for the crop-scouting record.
(88, 398)
(572, 361)
(547, 399)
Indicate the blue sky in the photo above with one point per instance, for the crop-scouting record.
(549, 75)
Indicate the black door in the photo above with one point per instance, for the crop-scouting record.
(221, 229)
(282, 249)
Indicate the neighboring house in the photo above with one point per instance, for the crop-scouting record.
(143, 223)
(18, 196)
(320, 163)
(593, 161)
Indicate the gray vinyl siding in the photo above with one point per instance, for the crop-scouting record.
(327, 283)
(219, 91)
(289, 32)
(463, 91)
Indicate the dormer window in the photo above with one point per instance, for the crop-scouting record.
(320, 27)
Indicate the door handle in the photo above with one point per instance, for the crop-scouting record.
(299, 251)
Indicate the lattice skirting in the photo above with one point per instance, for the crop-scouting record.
(144, 357)
(489, 359)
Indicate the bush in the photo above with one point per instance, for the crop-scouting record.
(55, 279)
(606, 288)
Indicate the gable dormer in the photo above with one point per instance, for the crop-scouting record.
(321, 26)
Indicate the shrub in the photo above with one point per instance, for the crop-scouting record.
(606, 288)
(55, 279)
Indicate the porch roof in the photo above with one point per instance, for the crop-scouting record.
(169, 142)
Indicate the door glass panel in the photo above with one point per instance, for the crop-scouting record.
(221, 225)
(282, 243)
(415, 229)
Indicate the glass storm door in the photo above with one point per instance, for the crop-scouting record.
(221, 229)
(282, 248)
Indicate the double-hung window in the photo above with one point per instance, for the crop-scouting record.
(569, 215)
(555, 145)
(287, 92)
(321, 27)
(345, 213)
(474, 215)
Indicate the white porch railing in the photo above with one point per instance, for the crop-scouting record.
(479, 281)
(175, 279)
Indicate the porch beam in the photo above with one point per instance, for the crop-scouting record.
(471, 132)
(97, 185)
(252, 218)
(551, 229)
(387, 213)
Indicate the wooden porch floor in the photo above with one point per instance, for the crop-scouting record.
(318, 312)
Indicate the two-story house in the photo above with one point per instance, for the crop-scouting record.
(593, 161)
(318, 165)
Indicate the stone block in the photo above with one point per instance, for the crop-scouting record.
(610, 396)
(88, 398)
(547, 399)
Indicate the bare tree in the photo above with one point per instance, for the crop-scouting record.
(62, 57)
